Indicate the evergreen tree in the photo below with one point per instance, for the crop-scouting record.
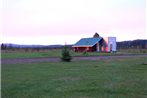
(3, 46)
(66, 55)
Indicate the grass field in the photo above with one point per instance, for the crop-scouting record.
(119, 78)
(49, 53)
(57, 53)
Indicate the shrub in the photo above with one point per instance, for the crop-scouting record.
(66, 55)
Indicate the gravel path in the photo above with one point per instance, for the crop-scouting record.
(55, 59)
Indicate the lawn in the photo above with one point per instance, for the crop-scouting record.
(49, 53)
(57, 53)
(20, 54)
(119, 78)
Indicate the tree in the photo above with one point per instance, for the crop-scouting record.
(66, 55)
(3, 46)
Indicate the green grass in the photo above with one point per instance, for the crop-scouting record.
(57, 53)
(52, 53)
(136, 51)
(119, 78)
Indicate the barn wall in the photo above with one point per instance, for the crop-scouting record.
(104, 45)
(94, 48)
(109, 44)
(82, 49)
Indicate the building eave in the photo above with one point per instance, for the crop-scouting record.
(84, 46)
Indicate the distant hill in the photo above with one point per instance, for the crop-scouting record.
(142, 44)
(10, 45)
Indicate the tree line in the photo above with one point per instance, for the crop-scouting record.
(135, 44)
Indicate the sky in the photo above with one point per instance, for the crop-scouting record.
(50, 22)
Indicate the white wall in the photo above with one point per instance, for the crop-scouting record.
(112, 40)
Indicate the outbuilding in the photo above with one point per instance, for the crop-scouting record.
(96, 44)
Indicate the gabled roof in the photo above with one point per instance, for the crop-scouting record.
(87, 42)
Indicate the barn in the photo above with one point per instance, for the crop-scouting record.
(96, 44)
